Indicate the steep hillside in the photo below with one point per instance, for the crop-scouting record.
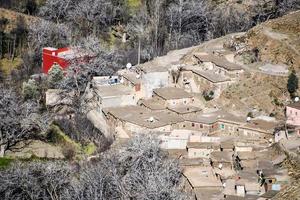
(13, 18)
(277, 41)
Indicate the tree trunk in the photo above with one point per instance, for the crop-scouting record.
(13, 48)
(2, 151)
(139, 52)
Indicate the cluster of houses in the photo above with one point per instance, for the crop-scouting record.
(224, 156)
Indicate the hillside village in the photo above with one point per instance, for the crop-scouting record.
(142, 99)
(224, 152)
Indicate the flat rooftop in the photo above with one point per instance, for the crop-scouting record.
(210, 75)
(169, 93)
(220, 61)
(153, 104)
(106, 91)
(153, 66)
(203, 145)
(213, 117)
(142, 117)
(130, 76)
(201, 177)
(221, 156)
(261, 125)
(184, 109)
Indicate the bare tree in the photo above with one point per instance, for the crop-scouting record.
(19, 122)
(91, 16)
(82, 130)
(57, 10)
(139, 171)
(49, 181)
(187, 22)
(45, 33)
(101, 62)
(138, 29)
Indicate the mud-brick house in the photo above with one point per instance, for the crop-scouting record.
(195, 79)
(130, 79)
(152, 104)
(293, 114)
(260, 129)
(201, 182)
(222, 159)
(152, 76)
(113, 96)
(173, 96)
(212, 122)
(219, 64)
(203, 122)
(136, 119)
(185, 110)
(201, 149)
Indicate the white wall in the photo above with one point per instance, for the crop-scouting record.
(116, 101)
(153, 80)
(199, 153)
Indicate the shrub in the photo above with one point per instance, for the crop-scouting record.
(30, 89)
(208, 95)
(250, 114)
(292, 84)
(55, 76)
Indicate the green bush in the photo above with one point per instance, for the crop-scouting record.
(5, 162)
(55, 76)
(30, 89)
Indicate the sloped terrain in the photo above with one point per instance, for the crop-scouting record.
(278, 40)
(13, 18)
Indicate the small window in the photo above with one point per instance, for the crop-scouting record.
(193, 124)
(201, 125)
(183, 125)
(296, 113)
(222, 126)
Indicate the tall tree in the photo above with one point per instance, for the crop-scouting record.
(293, 83)
(19, 122)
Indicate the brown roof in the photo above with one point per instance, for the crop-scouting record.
(131, 77)
(219, 61)
(169, 93)
(221, 156)
(246, 155)
(202, 145)
(184, 109)
(213, 117)
(140, 116)
(228, 144)
(201, 177)
(210, 75)
(261, 125)
(209, 193)
(153, 104)
(294, 105)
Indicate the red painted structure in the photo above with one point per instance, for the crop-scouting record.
(62, 56)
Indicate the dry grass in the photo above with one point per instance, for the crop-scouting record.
(13, 16)
(7, 65)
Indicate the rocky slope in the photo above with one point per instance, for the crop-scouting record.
(276, 41)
